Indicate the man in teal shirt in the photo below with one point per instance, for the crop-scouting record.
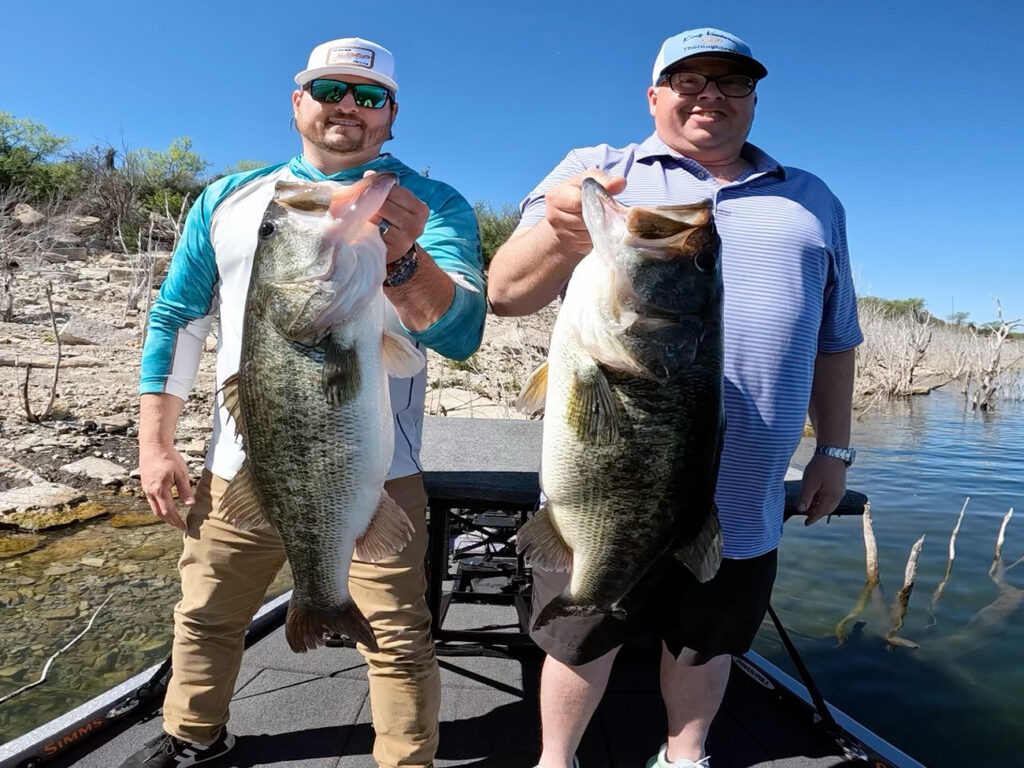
(344, 110)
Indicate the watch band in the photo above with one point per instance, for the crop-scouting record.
(845, 455)
(402, 268)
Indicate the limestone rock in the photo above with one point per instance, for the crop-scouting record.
(27, 215)
(38, 496)
(106, 472)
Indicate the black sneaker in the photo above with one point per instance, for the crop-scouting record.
(166, 751)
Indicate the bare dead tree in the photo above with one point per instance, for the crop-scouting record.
(33, 418)
(890, 358)
(987, 390)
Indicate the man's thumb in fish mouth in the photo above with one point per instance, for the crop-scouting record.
(613, 185)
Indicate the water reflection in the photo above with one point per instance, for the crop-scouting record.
(952, 700)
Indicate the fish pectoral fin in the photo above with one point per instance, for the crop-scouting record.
(535, 391)
(229, 391)
(401, 358)
(702, 555)
(340, 378)
(591, 406)
(239, 505)
(388, 532)
(543, 544)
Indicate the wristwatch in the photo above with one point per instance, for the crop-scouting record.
(845, 455)
(402, 268)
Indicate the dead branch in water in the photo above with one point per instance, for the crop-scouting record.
(902, 601)
(997, 556)
(46, 668)
(949, 565)
(993, 618)
(870, 584)
(26, 404)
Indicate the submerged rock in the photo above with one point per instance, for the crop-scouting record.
(16, 544)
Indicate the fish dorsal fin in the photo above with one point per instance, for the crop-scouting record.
(389, 531)
(341, 378)
(702, 555)
(591, 407)
(400, 356)
(239, 505)
(535, 391)
(543, 544)
(232, 402)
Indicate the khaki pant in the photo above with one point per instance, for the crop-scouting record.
(225, 573)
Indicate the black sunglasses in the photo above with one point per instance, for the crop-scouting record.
(332, 91)
(692, 83)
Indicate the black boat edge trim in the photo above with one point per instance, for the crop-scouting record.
(891, 754)
(45, 743)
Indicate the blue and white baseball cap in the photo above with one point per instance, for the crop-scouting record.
(350, 56)
(706, 42)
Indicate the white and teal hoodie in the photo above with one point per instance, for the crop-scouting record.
(209, 274)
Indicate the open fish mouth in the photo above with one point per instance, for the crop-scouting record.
(347, 208)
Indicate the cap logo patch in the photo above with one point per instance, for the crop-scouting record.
(711, 40)
(357, 57)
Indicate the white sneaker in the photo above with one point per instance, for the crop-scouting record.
(661, 760)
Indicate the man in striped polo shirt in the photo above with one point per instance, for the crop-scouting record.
(790, 321)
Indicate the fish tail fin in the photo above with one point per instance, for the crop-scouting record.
(305, 627)
(543, 544)
(562, 605)
(703, 553)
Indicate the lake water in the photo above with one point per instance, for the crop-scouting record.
(957, 699)
(954, 700)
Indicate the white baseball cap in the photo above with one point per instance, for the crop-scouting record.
(350, 56)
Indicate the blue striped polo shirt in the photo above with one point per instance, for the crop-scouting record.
(788, 296)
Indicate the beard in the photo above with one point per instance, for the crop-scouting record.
(351, 140)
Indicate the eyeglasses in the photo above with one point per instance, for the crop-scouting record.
(364, 94)
(692, 83)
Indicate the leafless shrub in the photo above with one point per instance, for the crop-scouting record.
(891, 355)
(992, 365)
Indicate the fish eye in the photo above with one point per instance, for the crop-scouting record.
(705, 261)
(266, 229)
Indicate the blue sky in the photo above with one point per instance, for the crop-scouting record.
(910, 111)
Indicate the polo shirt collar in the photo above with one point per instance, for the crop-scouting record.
(653, 147)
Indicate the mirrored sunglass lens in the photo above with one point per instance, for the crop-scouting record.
(372, 96)
(328, 90)
(735, 85)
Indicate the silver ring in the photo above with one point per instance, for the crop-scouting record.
(383, 227)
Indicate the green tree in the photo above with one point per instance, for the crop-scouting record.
(914, 308)
(496, 225)
(31, 159)
(244, 166)
(958, 318)
(178, 168)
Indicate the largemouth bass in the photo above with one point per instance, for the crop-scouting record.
(633, 411)
(310, 399)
